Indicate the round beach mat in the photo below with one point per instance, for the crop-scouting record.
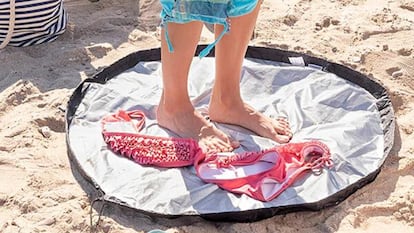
(322, 100)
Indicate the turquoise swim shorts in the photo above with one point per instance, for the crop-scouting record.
(208, 11)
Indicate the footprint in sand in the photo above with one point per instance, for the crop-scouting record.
(56, 124)
(18, 93)
(405, 52)
(98, 50)
(326, 22)
(407, 5)
(395, 72)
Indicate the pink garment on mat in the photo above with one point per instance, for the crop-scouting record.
(262, 175)
(145, 149)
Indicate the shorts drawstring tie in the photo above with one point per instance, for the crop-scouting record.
(183, 11)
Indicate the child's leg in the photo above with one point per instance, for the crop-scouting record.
(175, 110)
(226, 104)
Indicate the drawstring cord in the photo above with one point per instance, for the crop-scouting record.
(167, 37)
(206, 50)
(93, 227)
(317, 165)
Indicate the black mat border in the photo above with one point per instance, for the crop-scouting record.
(375, 88)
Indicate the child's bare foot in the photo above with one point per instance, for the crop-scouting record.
(244, 115)
(188, 123)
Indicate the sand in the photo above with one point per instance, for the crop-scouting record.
(38, 190)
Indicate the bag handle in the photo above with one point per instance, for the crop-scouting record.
(11, 24)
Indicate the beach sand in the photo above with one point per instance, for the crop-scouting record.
(38, 190)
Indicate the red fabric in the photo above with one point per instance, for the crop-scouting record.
(145, 149)
(288, 162)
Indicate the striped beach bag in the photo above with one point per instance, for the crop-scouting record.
(29, 22)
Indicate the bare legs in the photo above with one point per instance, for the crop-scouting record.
(227, 106)
(176, 111)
